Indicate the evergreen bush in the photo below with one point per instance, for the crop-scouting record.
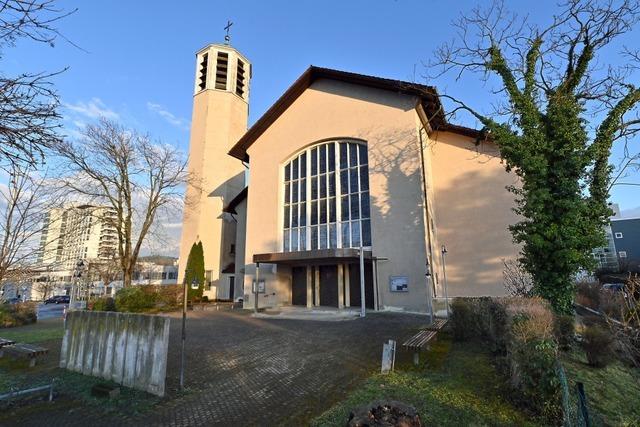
(597, 344)
(19, 314)
(135, 300)
(194, 272)
(104, 304)
(564, 330)
(462, 319)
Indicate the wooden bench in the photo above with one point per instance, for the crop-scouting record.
(26, 351)
(4, 343)
(418, 341)
(437, 325)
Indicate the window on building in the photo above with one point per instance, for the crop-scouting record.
(326, 198)
(222, 65)
(208, 278)
(232, 249)
(622, 254)
(202, 74)
(618, 235)
(240, 78)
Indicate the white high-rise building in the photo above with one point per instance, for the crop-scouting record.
(84, 232)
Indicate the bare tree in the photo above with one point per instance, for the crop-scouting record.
(24, 203)
(29, 118)
(517, 282)
(104, 270)
(130, 173)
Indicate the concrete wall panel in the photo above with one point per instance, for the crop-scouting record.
(130, 349)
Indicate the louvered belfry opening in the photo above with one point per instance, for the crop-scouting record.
(202, 78)
(240, 79)
(222, 66)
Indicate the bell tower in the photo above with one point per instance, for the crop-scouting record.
(219, 119)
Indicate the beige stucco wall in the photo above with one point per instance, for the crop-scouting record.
(388, 123)
(472, 212)
(241, 233)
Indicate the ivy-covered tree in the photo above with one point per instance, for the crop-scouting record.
(195, 272)
(558, 109)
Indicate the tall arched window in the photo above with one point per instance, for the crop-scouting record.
(326, 198)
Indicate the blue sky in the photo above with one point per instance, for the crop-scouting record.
(137, 62)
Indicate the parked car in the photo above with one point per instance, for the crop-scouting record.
(58, 299)
(614, 287)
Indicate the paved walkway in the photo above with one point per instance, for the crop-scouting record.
(247, 371)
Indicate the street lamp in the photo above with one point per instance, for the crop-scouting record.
(75, 291)
(194, 285)
(429, 297)
(444, 277)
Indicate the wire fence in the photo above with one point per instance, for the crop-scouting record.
(574, 401)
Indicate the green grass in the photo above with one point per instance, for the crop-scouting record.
(612, 392)
(458, 386)
(34, 333)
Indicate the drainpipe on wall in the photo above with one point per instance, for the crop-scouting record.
(429, 283)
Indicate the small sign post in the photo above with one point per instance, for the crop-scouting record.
(388, 356)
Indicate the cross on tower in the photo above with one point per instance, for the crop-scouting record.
(227, 37)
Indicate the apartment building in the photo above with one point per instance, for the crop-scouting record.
(84, 232)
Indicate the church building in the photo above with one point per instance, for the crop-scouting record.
(346, 177)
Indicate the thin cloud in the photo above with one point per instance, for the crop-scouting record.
(92, 109)
(168, 116)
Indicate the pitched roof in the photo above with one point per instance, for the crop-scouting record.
(233, 204)
(428, 95)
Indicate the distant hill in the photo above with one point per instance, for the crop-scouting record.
(158, 259)
(631, 213)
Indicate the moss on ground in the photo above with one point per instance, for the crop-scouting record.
(458, 385)
(613, 393)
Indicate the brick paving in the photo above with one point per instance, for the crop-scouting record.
(247, 371)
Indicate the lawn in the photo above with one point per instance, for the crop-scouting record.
(46, 330)
(613, 393)
(458, 386)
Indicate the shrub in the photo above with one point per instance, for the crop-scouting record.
(564, 330)
(588, 294)
(17, 314)
(532, 355)
(169, 297)
(135, 299)
(612, 304)
(521, 329)
(597, 344)
(462, 319)
(104, 304)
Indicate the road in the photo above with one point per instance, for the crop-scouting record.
(51, 311)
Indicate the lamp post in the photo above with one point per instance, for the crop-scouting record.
(444, 277)
(194, 285)
(75, 291)
(429, 296)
